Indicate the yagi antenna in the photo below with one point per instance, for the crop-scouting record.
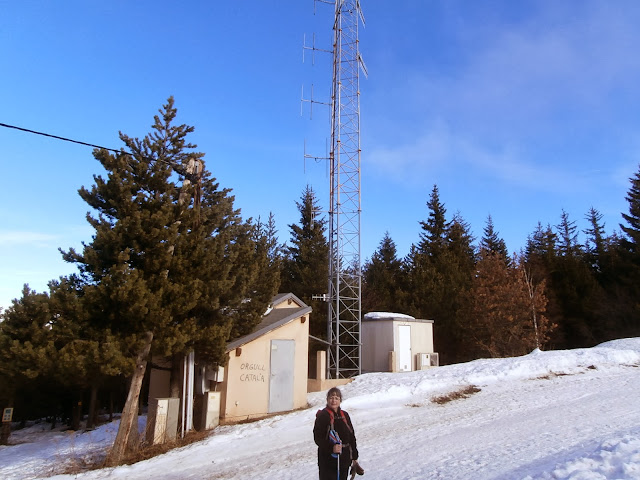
(313, 48)
(311, 101)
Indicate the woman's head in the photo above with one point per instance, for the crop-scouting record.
(334, 397)
(334, 391)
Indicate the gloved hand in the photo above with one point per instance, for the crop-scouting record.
(355, 467)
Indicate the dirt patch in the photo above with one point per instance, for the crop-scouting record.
(458, 394)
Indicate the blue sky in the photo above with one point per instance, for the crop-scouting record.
(516, 110)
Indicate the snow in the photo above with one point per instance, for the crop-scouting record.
(570, 414)
(387, 315)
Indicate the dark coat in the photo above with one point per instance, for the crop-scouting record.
(327, 464)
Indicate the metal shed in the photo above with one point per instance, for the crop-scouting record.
(394, 342)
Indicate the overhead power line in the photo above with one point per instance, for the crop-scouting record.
(58, 137)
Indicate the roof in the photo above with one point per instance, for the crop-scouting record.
(282, 297)
(274, 318)
(389, 316)
(386, 316)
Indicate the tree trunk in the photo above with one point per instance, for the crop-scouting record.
(110, 406)
(130, 409)
(91, 416)
(76, 412)
(175, 383)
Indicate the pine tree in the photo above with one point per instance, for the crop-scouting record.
(383, 279)
(172, 267)
(27, 351)
(306, 265)
(87, 356)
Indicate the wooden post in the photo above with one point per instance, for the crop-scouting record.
(130, 409)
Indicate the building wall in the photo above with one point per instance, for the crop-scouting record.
(377, 341)
(380, 337)
(245, 390)
(421, 337)
(159, 380)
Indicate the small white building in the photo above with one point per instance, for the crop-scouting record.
(394, 342)
(266, 373)
(267, 369)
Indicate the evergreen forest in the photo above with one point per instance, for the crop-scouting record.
(173, 268)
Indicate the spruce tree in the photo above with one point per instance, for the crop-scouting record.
(306, 264)
(492, 243)
(439, 270)
(578, 294)
(632, 227)
(382, 288)
(627, 265)
(567, 236)
(596, 244)
(434, 229)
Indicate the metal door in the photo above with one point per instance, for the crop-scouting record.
(404, 348)
(281, 379)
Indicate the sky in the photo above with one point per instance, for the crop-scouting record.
(518, 110)
(569, 414)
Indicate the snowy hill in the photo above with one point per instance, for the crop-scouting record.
(547, 415)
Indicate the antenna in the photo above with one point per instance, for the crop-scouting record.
(311, 101)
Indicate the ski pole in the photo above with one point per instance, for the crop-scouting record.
(338, 466)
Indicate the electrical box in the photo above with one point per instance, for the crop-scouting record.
(426, 360)
(214, 374)
(202, 382)
(423, 361)
(163, 420)
(210, 413)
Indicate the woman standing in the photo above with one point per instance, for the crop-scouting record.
(336, 440)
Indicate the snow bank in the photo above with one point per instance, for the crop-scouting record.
(568, 414)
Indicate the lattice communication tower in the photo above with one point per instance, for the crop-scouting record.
(345, 273)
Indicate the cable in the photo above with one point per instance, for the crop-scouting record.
(89, 145)
(59, 138)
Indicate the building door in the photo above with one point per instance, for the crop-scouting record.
(281, 379)
(404, 348)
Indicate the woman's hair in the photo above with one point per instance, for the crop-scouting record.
(334, 391)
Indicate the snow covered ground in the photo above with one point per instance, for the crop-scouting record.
(548, 415)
